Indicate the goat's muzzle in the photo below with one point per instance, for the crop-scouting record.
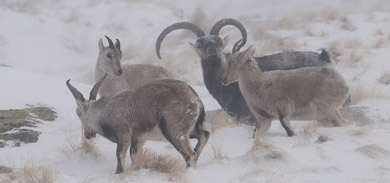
(119, 72)
(89, 135)
(212, 52)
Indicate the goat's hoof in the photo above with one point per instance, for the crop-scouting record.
(291, 134)
(118, 171)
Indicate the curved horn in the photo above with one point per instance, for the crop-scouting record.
(181, 25)
(235, 46)
(93, 93)
(110, 43)
(228, 21)
(75, 92)
(118, 44)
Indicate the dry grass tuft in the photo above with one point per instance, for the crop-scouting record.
(381, 42)
(373, 151)
(385, 78)
(218, 119)
(83, 145)
(218, 155)
(362, 131)
(265, 151)
(173, 167)
(347, 25)
(379, 32)
(359, 93)
(288, 23)
(355, 57)
(332, 15)
(31, 173)
(345, 51)
(322, 139)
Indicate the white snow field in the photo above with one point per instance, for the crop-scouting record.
(45, 42)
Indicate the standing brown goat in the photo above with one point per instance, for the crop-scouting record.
(302, 94)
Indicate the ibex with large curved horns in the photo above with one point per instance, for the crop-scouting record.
(210, 50)
(119, 76)
(170, 106)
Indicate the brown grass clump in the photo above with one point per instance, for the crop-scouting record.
(288, 23)
(31, 173)
(218, 155)
(83, 145)
(218, 119)
(347, 25)
(173, 167)
(348, 52)
(265, 151)
(332, 15)
(373, 151)
(362, 131)
(381, 42)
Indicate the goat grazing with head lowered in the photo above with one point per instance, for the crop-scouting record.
(169, 105)
(303, 94)
(123, 76)
(210, 50)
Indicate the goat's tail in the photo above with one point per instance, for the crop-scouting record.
(347, 102)
(201, 118)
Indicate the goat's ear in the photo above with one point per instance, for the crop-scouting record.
(250, 52)
(118, 44)
(101, 45)
(226, 41)
(81, 105)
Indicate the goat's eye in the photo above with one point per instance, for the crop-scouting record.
(109, 56)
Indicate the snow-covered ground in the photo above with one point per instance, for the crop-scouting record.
(45, 42)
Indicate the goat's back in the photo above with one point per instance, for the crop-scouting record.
(321, 86)
(170, 101)
(293, 60)
(134, 76)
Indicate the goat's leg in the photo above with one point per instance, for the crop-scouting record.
(285, 120)
(337, 119)
(284, 112)
(262, 126)
(136, 146)
(182, 144)
(180, 141)
(202, 136)
(123, 143)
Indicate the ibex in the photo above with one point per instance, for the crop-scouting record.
(303, 94)
(210, 50)
(123, 76)
(170, 105)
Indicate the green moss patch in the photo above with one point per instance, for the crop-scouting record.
(12, 122)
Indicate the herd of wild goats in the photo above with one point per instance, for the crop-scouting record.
(136, 99)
